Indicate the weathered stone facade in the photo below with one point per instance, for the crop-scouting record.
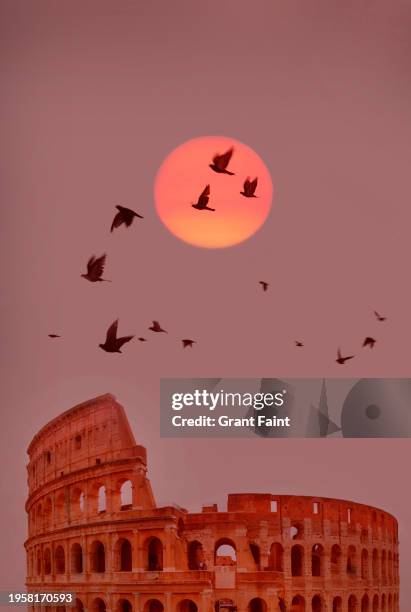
(94, 529)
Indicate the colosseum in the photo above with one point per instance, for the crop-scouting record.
(95, 530)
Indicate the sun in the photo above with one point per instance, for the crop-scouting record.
(184, 175)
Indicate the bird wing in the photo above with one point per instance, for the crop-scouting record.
(156, 324)
(377, 314)
(246, 185)
(117, 221)
(123, 340)
(90, 263)
(112, 332)
(339, 354)
(97, 268)
(224, 159)
(253, 185)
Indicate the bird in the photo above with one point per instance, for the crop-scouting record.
(142, 339)
(156, 327)
(54, 336)
(203, 200)
(220, 162)
(369, 342)
(340, 359)
(264, 285)
(298, 343)
(187, 342)
(124, 215)
(95, 269)
(113, 344)
(249, 188)
(379, 317)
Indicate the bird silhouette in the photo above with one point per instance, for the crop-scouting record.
(124, 216)
(203, 200)
(264, 285)
(113, 344)
(95, 269)
(340, 359)
(142, 339)
(369, 342)
(54, 336)
(298, 343)
(187, 342)
(220, 162)
(156, 327)
(249, 188)
(379, 317)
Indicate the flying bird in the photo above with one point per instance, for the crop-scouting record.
(298, 343)
(124, 216)
(203, 200)
(340, 359)
(142, 339)
(113, 344)
(369, 342)
(187, 342)
(156, 327)
(54, 336)
(264, 285)
(249, 188)
(95, 269)
(379, 317)
(220, 162)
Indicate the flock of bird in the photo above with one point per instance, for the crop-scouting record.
(125, 216)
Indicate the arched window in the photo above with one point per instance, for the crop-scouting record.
(187, 605)
(154, 605)
(196, 559)
(276, 559)
(384, 566)
(225, 553)
(337, 604)
(97, 557)
(257, 605)
(375, 566)
(383, 603)
(297, 560)
(124, 605)
(77, 502)
(390, 603)
(98, 605)
(352, 604)
(47, 561)
(297, 531)
(76, 559)
(281, 605)
(59, 560)
(48, 513)
(351, 561)
(336, 560)
(154, 555)
(316, 604)
(365, 604)
(125, 555)
(126, 495)
(298, 604)
(101, 499)
(79, 606)
(375, 604)
(77, 442)
(60, 508)
(364, 564)
(317, 556)
(255, 553)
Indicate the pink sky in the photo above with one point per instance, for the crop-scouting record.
(95, 95)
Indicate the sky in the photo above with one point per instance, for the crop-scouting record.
(95, 95)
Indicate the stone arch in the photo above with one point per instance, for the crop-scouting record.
(97, 557)
(187, 605)
(124, 605)
(390, 603)
(337, 604)
(77, 505)
(384, 566)
(383, 603)
(255, 553)
(101, 498)
(317, 604)
(351, 560)
(375, 565)
(297, 560)
(124, 554)
(257, 605)
(153, 605)
(78, 440)
(76, 555)
(59, 560)
(375, 607)
(364, 564)
(297, 530)
(60, 507)
(154, 554)
(336, 560)
(225, 552)
(365, 603)
(317, 560)
(276, 558)
(47, 561)
(98, 605)
(352, 604)
(298, 604)
(78, 605)
(195, 555)
(126, 495)
(281, 605)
